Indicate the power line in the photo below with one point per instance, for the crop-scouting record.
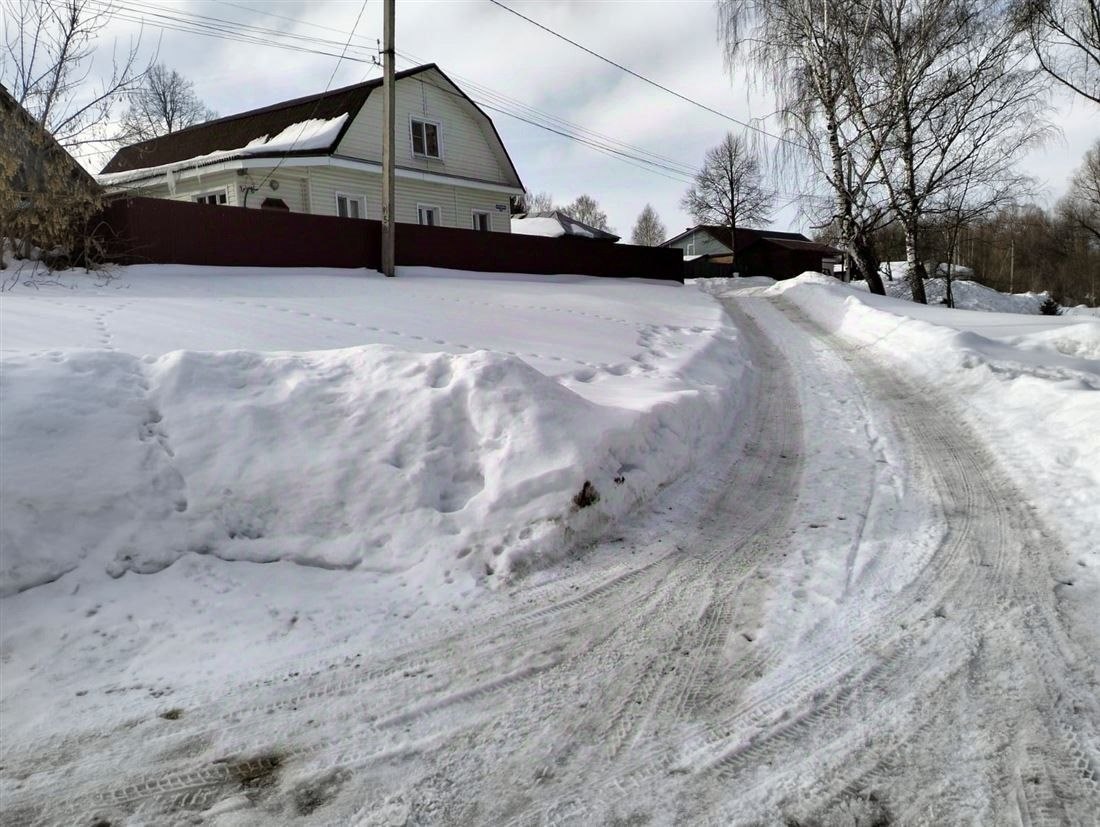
(644, 79)
(283, 157)
(495, 101)
(501, 98)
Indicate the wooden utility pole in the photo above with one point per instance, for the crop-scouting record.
(388, 99)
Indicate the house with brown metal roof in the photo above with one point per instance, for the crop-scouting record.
(322, 155)
(779, 255)
(556, 224)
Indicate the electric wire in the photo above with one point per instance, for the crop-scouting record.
(645, 79)
(493, 100)
(331, 77)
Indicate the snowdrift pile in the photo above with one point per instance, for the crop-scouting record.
(441, 467)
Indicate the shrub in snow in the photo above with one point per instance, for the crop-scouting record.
(1050, 308)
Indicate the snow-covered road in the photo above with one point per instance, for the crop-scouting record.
(849, 616)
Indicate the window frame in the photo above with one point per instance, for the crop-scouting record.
(350, 196)
(438, 214)
(413, 119)
(488, 220)
(221, 192)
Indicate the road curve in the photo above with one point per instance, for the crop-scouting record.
(847, 617)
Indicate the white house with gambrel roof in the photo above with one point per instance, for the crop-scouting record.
(322, 155)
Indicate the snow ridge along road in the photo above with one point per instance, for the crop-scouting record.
(848, 616)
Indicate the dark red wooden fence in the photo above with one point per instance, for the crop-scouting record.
(158, 231)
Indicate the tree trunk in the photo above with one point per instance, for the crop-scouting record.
(863, 255)
(914, 271)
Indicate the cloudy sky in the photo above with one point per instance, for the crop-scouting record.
(503, 60)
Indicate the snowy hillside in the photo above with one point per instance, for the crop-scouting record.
(439, 427)
(968, 295)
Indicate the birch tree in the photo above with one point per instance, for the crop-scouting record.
(807, 54)
(949, 104)
(1065, 36)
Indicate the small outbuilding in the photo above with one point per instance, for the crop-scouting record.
(709, 250)
(556, 224)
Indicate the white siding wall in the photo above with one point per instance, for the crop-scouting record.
(291, 188)
(468, 143)
(188, 188)
(456, 204)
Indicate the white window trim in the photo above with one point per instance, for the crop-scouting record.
(206, 193)
(362, 199)
(488, 219)
(438, 214)
(439, 135)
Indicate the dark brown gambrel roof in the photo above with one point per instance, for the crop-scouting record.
(235, 131)
(747, 237)
(805, 245)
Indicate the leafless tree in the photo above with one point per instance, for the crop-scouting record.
(1065, 36)
(728, 191)
(47, 62)
(948, 104)
(532, 202)
(1081, 204)
(648, 230)
(807, 54)
(164, 102)
(587, 211)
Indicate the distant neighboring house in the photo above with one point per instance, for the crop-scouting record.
(556, 224)
(759, 252)
(322, 155)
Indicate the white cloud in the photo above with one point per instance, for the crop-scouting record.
(672, 42)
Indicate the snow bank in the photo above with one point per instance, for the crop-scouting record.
(1029, 384)
(545, 227)
(968, 295)
(439, 467)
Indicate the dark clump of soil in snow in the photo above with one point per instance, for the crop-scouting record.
(172, 714)
(588, 495)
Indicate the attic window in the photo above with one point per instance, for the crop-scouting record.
(425, 139)
(274, 204)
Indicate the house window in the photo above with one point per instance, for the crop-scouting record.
(481, 220)
(425, 139)
(212, 198)
(428, 216)
(351, 206)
